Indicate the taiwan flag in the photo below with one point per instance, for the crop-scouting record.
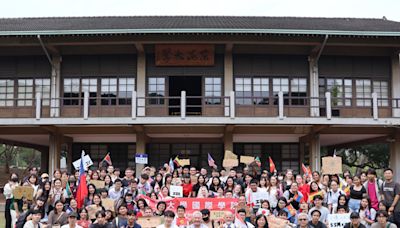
(82, 190)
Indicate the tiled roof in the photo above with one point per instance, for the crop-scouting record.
(57, 24)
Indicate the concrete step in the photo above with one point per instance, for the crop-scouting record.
(2, 207)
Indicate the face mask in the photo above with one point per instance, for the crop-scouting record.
(205, 219)
(129, 201)
(280, 178)
(14, 179)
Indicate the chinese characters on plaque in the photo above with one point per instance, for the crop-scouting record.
(184, 55)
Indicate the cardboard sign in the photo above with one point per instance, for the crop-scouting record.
(176, 191)
(98, 183)
(23, 192)
(141, 158)
(108, 204)
(338, 220)
(92, 209)
(193, 179)
(149, 222)
(87, 162)
(184, 162)
(246, 159)
(217, 215)
(331, 165)
(274, 222)
(228, 163)
(230, 155)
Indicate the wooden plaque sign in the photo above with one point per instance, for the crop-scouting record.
(184, 55)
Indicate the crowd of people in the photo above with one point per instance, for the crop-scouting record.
(300, 200)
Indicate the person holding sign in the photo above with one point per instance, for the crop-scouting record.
(8, 193)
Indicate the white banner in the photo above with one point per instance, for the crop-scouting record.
(338, 220)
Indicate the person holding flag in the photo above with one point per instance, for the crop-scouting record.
(211, 161)
(82, 190)
(106, 160)
(293, 196)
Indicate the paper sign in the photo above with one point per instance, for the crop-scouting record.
(149, 222)
(246, 159)
(331, 165)
(184, 162)
(217, 215)
(87, 162)
(338, 220)
(108, 204)
(176, 191)
(274, 222)
(92, 209)
(23, 192)
(228, 163)
(141, 158)
(98, 183)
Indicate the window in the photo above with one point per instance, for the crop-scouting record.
(125, 88)
(108, 91)
(156, 89)
(261, 90)
(243, 91)
(363, 92)
(6, 93)
(280, 84)
(42, 86)
(213, 90)
(340, 89)
(25, 92)
(90, 85)
(298, 88)
(71, 91)
(381, 88)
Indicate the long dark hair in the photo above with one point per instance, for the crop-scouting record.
(258, 218)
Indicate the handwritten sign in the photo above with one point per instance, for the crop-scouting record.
(246, 159)
(217, 214)
(108, 204)
(184, 162)
(228, 163)
(92, 209)
(87, 162)
(149, 222)
(274, 222)
(20, 192)
(230, 155)
(176, 191)
(338, 220)
(98, 183)
(184, 55)
(331, 165)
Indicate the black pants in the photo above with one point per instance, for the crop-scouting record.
(7, 213)
(396, 218)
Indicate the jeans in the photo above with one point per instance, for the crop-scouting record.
(354, 205)
(7, 213)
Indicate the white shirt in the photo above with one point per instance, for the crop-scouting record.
(67, 226)
(29, 224)
(163, 226)
(255, 197)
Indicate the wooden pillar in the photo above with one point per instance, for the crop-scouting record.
(141, 140)
(141, 80)
(314, 86)
(394, 158)
(315, 152)
(55, 90)
(55, 141)
(396, 84)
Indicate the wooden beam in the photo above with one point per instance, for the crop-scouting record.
(316, 129)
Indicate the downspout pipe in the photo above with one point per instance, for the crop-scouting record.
(45, 50)
(322, 48)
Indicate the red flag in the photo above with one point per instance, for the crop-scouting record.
(107, 159)
(272, 167)
(306, 170)
(82, 190)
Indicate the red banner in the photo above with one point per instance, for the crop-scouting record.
(195, 204)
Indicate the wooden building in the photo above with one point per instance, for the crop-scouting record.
(166, 86)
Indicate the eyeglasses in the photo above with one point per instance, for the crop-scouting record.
(302, 219)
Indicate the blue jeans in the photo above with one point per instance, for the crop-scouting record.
(354, 205)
